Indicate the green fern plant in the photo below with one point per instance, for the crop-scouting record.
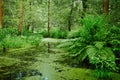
(91, 44)
(102, 57)
(114, 42)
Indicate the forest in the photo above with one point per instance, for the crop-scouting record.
(59, 39)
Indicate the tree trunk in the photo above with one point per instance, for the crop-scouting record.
(1, 12)
(21, 18)
(29, 23)
(4, 49)
(32, 25)
(84, 2)
(84, 5)
(105, 6)
(48, 18)
(70, 17)
(48, 24)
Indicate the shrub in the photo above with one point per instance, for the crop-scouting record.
(55, 32)
(58, 33)
(34, 39)
(7, 31)
(13, 42)
(9, 39)
(44, 33)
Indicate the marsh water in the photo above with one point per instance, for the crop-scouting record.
(42, 63)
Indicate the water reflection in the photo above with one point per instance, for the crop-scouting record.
(20, 74)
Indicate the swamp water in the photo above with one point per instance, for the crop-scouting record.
(38, 64)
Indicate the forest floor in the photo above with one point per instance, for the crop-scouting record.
(46, 62)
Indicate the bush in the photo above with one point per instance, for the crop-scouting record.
(73, 34)
(44, 33)
(54, 33)
(58, 33)
(9, 39)
(7, 31)
(34, 39)
(13, 42)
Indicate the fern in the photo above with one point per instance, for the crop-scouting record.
(102, 57)
(91, 44)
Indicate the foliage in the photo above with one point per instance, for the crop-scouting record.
(73, 34)
(114, 39)
(100, 55)
(93, 28)
(103, 74)
(7, 31)
(12, 42)
(54, 33)
(114, 12)
(91, 44)
(9, 38)
(34, 39)
(43, 32)
(10, 17)
(114, 42)
(60, 12)
(58, 33)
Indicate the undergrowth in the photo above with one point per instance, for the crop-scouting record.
(91, 42)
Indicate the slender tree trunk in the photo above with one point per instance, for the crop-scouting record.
(1, 12)
(32, 25)
(21, 18)
(84, 5)
(48, 18)
(29, 24)
(105, 6)
(70, 17)
(31, 20)
(84, 2)
(48, 24)
(4, 49)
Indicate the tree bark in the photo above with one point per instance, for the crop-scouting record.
(4, 49)
(84, 2)
(48, 24)
(70, 17)
(105, 6)
(30, 21)
(48, 18)
(1, 12)
(84, 5)
(21, 18)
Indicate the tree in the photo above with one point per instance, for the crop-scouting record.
(1, 12)
(31, 19)
(84, 5)
(48, 17)
(21, 18)
(70, 16)
(84, 2)
(30, 14)
(105, 6)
